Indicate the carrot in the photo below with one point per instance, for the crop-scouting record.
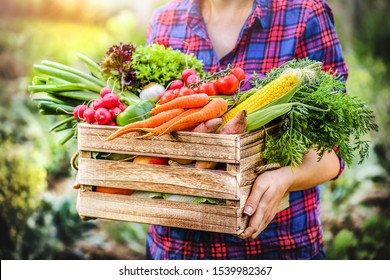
(158, 130)
(184, 102)
(153, 121)
(214, 109)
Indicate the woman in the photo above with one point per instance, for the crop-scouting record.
(256, 35)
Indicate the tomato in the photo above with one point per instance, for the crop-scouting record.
(187, 72)
(186, 91)
(167, 96)
(227, 85)
(239, 73)
(209, 88)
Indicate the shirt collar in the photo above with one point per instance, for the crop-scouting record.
(195, 20)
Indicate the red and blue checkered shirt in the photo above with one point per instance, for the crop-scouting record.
(275, 32)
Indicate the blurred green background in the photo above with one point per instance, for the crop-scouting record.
(38, 218)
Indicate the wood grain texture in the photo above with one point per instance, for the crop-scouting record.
(241, 154)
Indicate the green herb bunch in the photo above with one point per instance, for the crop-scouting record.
(322, 116)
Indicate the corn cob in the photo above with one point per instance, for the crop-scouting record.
(273, 90)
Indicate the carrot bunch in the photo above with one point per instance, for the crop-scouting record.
(182, 113)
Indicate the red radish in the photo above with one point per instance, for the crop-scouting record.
(78, 112)
(176, 84)
(121, 106)
(111, 123)
(89, 115)
(97, 103)
(110, 100)
(192, 79)
(102, 116)
(188, 72)
(114, 112)
(105, 91)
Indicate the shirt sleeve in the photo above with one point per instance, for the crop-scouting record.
(320, 41)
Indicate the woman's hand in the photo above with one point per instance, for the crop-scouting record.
(264, 199)
(270, 187)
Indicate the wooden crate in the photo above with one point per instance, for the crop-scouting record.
(241, 153)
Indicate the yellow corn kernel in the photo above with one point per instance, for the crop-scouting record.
(273, 90)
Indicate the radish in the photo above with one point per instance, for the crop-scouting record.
(176, 84)
(78, 112)
(192, 79)
(97, 103)
(114, 112)
(105, 91)
(188, 72)
(110, 100)
(102, 116)
(121, 106)
(89, 115)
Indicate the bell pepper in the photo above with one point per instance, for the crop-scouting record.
(132, 113)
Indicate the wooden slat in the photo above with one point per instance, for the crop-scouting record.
(159, 178)
(160, 212)
(211, 147)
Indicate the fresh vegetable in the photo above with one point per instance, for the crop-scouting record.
(156, 63)
(167, 96)
(78, 112)
(176, 84)
(152, 92)
(112, 190)
(185, 102)
(227, 85)
(117, 65)
(318, 115)
(151, 122)
(193, 79)
(214, 109)
(161, 129)
(236, 125)
(290, 79)
(132, 113)
(209, 126)
(239, 73)
(188, 72)
(210, 88)
(205, 164)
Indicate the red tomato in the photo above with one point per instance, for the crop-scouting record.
(167, 96)
(186, 91)
(209, 88)
(227, 85)
(239, 73)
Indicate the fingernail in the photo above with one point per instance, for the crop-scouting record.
(248, 210)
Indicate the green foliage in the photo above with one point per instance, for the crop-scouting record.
(368, 243)
(21, 180)
(155, 63)
(127, 234)
(322, 117)
(54, 226)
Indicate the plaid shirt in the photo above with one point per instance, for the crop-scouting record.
(275, 32)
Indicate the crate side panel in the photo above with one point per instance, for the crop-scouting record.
(160, 212)
(159, 178)
(202, 146)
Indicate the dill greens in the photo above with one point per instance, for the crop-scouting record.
(322, 117)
